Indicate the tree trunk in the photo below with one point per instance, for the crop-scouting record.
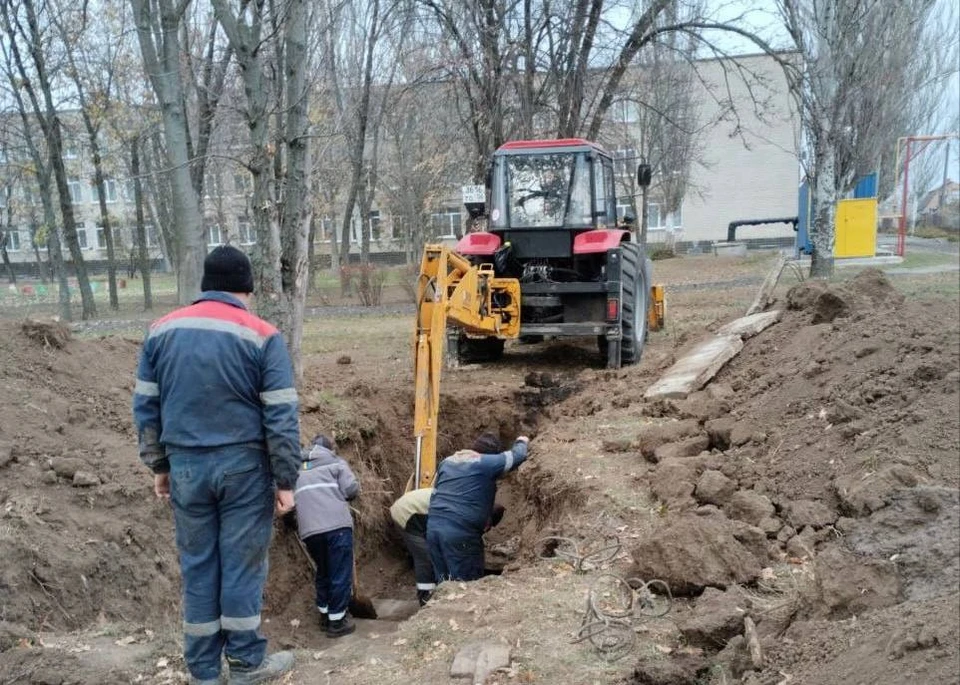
(644, 217)
(824, 211)
(162, 64)
(143, 252)
(6, 261)
(105, 221)
(312, 254)
(295, 267)
(41, 266)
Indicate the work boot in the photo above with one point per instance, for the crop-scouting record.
(423, 596)
(339, 628)
(324, 621)
(272, 666)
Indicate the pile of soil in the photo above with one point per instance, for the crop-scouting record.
(819, 469)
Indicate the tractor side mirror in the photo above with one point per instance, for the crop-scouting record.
(644, 175)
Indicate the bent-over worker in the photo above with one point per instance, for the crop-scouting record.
(410, 514)
(462, 505)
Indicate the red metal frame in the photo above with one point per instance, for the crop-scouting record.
(598, 240)
(907, 156)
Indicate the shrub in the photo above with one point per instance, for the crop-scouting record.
(661, 252)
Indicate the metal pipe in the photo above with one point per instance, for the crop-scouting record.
(733, 225)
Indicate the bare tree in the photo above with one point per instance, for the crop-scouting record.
(23, 24)
(159, 24)
(864, 64)
(278, 160)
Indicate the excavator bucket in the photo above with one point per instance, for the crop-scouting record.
(656, 315)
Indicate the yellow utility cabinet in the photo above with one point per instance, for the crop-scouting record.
(856, 228)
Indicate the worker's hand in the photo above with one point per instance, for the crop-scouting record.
(161, 486)
(284, 501)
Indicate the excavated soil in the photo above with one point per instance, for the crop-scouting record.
(812, 486)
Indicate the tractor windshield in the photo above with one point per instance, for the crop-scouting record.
(548, 190)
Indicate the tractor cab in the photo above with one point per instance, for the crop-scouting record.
(562, 184)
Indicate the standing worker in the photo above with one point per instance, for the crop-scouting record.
(462, 504)
(410, 514)
(324, 487)
(216, 413)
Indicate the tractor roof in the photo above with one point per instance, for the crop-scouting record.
(554, 145)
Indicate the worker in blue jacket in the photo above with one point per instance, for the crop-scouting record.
(462, 503)
(216, 413)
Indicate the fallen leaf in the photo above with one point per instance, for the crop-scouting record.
(663, 649)
(163, 662)
(124, 641)
(454, 625)
(399, 642)
(295, 622)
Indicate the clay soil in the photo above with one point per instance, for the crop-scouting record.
(812, 486)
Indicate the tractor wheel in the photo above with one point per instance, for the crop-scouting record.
(634, 304)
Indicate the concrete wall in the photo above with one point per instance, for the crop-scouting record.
(755, 180)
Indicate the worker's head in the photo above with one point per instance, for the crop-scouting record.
(325, 442)
(227, 269)
(487, 443)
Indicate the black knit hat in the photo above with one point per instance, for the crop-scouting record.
(227, 269)
(487, 443)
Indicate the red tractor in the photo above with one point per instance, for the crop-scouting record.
(551, 212)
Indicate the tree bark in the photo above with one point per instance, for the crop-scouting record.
(143, 252)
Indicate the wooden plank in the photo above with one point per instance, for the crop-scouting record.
(748, 326)
(692, 371)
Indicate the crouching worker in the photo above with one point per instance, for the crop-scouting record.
(462, 505)
(324, 486)
(410, 514)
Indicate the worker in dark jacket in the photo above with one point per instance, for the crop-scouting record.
(324, 487)
(216, 413)
(463, 496)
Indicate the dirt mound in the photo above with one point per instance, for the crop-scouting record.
(832, 442)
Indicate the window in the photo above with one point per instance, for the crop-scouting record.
(445, 224)
(675, 219)
(241, 183)
(623, 209)
(11, 240)
(325, 229)
(110, 189)
(69, 150)
(214, 237)
(653, 215)
(375, 224)
(101, 238)
(28, 197)
(625, 112)
(245, 232)
(625, 162)
(76, 192)
(82, 235)
(127, 191)
(151, 234)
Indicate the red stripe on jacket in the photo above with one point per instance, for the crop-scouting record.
(221, 311)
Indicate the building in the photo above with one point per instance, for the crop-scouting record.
(741, 164)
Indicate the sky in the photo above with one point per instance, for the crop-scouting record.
(761, 17)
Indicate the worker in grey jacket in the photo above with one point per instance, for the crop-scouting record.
(324, 486)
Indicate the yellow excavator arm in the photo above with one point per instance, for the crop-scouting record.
(452, 292)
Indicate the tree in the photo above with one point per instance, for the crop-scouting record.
(848, 48)
(278, 160)
(159, 24)
(23, 24)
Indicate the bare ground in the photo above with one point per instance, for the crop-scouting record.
(822, 467)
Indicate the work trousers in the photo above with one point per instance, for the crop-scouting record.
(223, 503)
(455, 553)
(332, 553)
(422, 567)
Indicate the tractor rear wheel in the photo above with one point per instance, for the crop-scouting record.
(634, 304)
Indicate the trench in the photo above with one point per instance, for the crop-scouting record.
(375, 441)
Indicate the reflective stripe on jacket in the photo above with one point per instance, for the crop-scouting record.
(213, 374)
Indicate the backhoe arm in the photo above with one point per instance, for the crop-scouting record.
(451, 291)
